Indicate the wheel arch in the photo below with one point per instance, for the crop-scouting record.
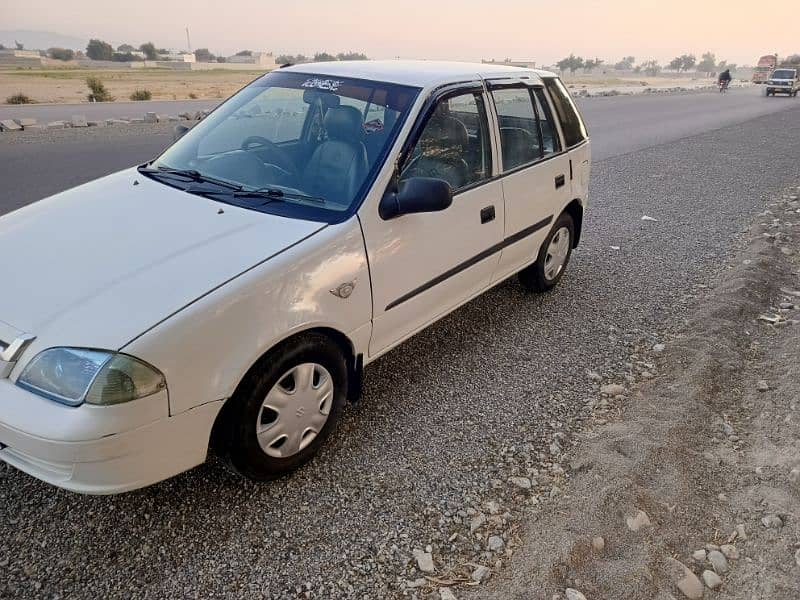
(355, 370)
(575, 210)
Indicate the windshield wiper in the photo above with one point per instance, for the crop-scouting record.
(269, 194)
(277, 193)
(190, 174)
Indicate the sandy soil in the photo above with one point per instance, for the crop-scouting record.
(69, 85)
(701, 458)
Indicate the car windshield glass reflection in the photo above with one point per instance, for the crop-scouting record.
(309, 144)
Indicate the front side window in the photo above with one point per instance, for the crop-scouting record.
(519, 131)
(294, 144)
(571, 122)
(454, 144)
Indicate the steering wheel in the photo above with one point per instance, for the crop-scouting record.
(276, 156)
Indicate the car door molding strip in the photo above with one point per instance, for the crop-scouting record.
(512, 239)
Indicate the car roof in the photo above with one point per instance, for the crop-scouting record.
(418, 73)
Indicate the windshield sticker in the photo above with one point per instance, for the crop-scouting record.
(329, 85)
(374, 126)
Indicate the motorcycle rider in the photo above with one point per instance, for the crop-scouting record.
(725, 78)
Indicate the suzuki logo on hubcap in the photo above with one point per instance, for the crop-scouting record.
(300, 412)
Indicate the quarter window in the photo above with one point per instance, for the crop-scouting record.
(571, 123)
(519, 132)
(550, 142)
(454, 144)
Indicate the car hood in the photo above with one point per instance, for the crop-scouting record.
(99, 264)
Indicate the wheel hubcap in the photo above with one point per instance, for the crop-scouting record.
(557, 252)
(295, 410)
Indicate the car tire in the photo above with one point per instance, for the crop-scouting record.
(295, 393)
(554, 255)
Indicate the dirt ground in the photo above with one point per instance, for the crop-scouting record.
(69, 85)
(62, 85)
(696, 470)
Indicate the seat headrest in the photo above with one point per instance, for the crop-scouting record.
(343, 123)
(448, 130)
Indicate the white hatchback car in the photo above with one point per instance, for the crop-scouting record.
(228, 294)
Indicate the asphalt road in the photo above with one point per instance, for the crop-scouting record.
(495, 390)
(98, 111)
(617, 125)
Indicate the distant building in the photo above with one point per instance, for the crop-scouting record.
(524, 63)
(177, 57)
(11, 56)
(262, 59)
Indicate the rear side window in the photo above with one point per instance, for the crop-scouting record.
(519, 132)
(571, 122)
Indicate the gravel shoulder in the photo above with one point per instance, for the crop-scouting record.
(463, 430)
(696, 476)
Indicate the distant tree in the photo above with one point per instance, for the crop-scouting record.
(19, 45)
(732, 67)
(60, 53)
(284, 59)
(571, 63)
(626, 64)
(351, 56)
(149, 51)
(637, 69)
(99, 50)
(651, 67)
(2, 47)
(203, 55)
(125, 48)
(323, 57)
(708, 63)
(689, 61)
(222, 59)
(794, 59)
(162, 51)
(125, 57)
(244, 53)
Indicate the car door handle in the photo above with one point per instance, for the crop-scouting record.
(487, 214)
(560, 181)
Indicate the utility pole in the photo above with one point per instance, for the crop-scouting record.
(188, 42)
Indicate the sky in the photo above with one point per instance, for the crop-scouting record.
(735, 30)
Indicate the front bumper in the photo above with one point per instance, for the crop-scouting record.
(45, 440)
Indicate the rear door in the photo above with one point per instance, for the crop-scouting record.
(535, 172)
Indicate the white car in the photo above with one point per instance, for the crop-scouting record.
(784, 80)
(228, 294)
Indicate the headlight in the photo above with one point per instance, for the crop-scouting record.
(77, 375)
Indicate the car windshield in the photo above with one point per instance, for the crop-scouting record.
(295, 144)
(783, 74)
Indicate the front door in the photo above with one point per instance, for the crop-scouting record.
(424, 265)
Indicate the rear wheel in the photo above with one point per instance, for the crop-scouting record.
(285, 408)
(554, 255)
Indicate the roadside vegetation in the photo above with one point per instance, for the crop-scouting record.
(99, 93)
(19, 98)
(140, 95)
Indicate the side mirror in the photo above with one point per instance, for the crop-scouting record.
(179, 131)
(416, 195)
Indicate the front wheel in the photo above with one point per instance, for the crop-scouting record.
(554, 255)
(285, 408)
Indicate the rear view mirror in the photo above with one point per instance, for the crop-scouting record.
(416, 195)
(179, 131)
